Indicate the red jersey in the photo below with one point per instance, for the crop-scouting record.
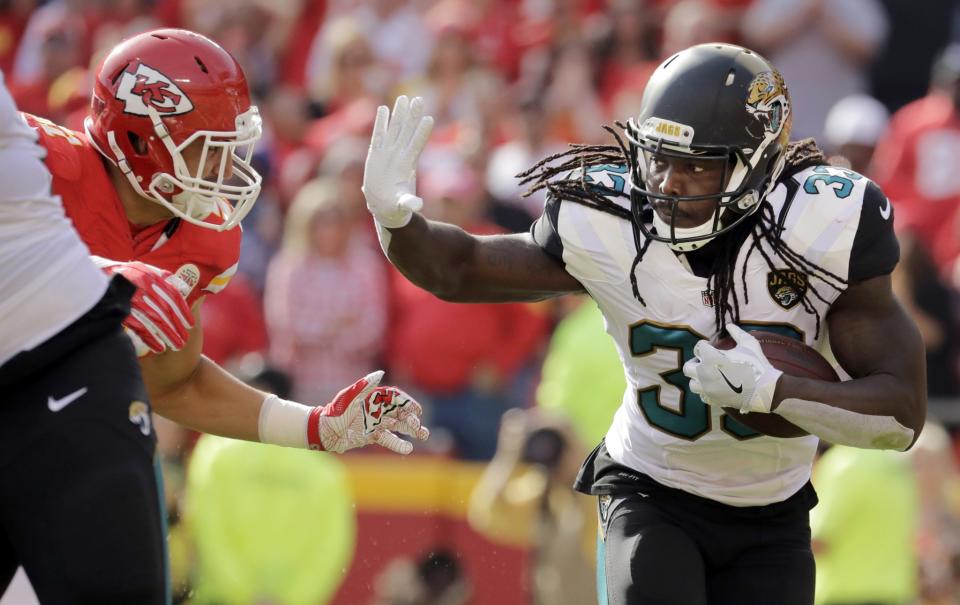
(915, 165)
(205, 259)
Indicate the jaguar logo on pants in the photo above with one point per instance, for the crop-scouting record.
(139, 414)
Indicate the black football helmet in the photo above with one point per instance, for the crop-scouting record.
(711, 102)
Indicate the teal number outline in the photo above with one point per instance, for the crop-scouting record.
(691, 405)
(844, 184)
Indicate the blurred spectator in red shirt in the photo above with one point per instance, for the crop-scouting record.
(233, 322)
(623, 46)
(77, 17)
(491, 25)
(345, 84)
(286, 120)
(343, 68)
(60, 53)
(908, 164)
(454, 87)
(398, 43)
(343, 163)
(325, 299)
(295, 52)
(469, 363)
(690, 22)
(124, 18)
(14, 15)
(916, 162)
(823, 48)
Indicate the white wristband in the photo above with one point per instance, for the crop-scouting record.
(283, 422)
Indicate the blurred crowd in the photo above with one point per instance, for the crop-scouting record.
(315, 305)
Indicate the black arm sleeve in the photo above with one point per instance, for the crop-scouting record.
(875, 247)
(546, 229)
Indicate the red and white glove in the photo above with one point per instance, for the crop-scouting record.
(160, 319)
(365, 413)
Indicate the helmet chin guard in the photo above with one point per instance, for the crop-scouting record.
(235, 181)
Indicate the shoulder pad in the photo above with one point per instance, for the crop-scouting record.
(837, 218)
(65, 148)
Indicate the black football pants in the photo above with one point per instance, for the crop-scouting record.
(80, 504)
(668, 547)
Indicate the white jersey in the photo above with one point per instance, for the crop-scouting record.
(661, 428)
(47, 279)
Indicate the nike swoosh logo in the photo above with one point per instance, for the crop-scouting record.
(738, 389)
(56, 405)
(885, 210)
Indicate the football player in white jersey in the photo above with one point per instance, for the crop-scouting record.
(702, 220)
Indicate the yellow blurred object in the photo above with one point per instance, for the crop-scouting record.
(269, 524)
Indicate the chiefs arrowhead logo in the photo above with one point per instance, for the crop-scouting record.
(147, 87)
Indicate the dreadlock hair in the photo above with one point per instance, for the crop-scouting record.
(567, 180)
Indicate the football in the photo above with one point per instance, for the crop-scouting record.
(791, 356)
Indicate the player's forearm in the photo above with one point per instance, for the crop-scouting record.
(460, 267)
(432, 255)
(880, 411)
(212, 401)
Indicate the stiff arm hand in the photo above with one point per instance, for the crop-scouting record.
(390, 172)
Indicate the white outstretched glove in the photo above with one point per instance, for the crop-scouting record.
(366, 413)
(740, 377)
(390, 172)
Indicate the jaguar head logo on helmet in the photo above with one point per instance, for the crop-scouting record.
(720, 111)
(171, 109)
(767, 102)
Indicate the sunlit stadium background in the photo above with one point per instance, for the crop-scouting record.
(315, 305)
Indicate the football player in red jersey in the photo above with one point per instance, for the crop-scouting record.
(162, 176)
(157, 186)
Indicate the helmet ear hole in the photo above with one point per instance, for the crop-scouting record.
(137, 142)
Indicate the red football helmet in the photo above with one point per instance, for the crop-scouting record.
(155, 95)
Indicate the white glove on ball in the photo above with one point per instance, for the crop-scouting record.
(740, 377)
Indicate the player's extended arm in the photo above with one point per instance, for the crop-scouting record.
(444, 259)
(882, 407)
(192, 390)
(457, 266)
